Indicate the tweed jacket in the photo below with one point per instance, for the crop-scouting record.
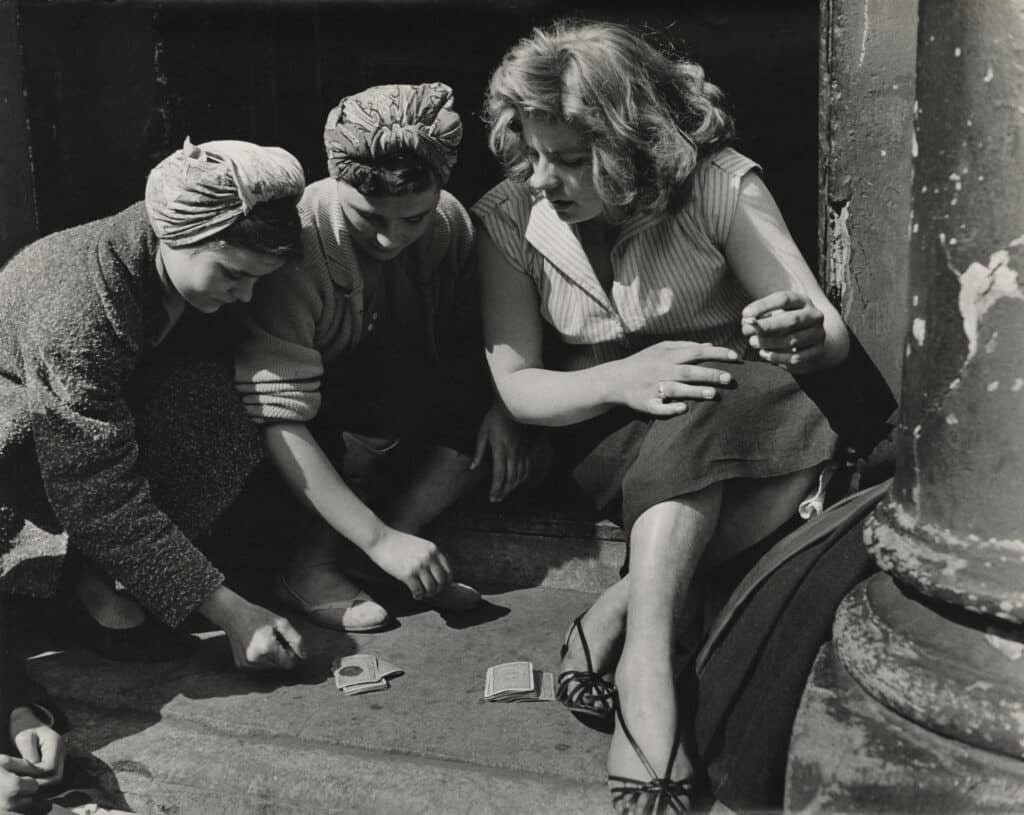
(80, 313)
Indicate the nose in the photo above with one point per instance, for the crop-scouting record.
(544, 176)
(393, 238)
(244, 289)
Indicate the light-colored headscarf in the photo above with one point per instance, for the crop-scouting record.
(203, 189)
(391, 120)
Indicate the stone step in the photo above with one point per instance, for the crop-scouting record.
(195, 737)
(531, 545)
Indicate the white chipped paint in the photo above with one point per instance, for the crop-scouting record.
(915, 299)
(913, 143)
(957, 52)
(992, 386)
(907, 351)
(954, 384)
(1018, 383)
(883, 153)
(918, 330)
(992, 343)
(1008, 648)
(915, 228)
(865, 26)
(951, 419)
(953, 241)
(988, 74)
(981, 287)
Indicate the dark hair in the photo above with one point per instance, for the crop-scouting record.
(395, 175)
(271, 228)
(649, 116)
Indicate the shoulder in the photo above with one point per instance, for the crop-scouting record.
(451, 210)
(727, 166)
(100, 266)
(508, 201)
(317, 193)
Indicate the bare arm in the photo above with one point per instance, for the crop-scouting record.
(312, 477)
(790, 316)
(310, 474)
(513, 338)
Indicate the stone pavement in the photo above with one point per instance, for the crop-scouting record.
(196, 737)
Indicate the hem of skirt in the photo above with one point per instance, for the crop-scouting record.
(726, 470)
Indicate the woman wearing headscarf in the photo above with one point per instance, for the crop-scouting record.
(118, 419)
(365, 370)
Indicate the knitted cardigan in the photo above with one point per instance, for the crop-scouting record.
(81, 385)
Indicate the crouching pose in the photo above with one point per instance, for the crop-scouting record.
(364, 367)
(118, 420)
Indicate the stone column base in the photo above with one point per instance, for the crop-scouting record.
(851, 754)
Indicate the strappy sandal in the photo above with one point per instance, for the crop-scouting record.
(586, 693)
(658, 795)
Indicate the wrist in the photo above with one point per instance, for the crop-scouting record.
(611, 390)
(218, 605)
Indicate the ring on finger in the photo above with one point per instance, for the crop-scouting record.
(793, 343)
(661, 391)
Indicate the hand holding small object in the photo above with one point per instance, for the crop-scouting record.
(786, 329)
(259, 639)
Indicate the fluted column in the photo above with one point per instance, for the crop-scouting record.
(926, 698)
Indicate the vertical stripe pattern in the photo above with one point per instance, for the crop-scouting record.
(671, 279)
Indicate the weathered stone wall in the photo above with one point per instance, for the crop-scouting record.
(866, 145)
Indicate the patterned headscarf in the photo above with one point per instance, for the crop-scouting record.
(201, 190)
(391, 120)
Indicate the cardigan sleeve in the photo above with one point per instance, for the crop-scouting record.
(278, 363)
(76, 366)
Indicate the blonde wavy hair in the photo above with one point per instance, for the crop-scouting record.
(649, 116)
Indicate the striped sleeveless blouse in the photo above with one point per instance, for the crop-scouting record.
(670, 276)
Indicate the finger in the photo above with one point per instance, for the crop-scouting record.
(260, 652)
(27, 742)
(509, 482)
(699, 375)
(289, 637)
(664, 410)
(776, 301)
(499, 461)
(790, 341)
(18, 766)
(789, 360)
(414, 583)
(429, 584)
(439, 575)
(26, 786)
(446, 567)
(786, 322)
(51, 753)
(481, 448)
(686, 390)
(704, 353)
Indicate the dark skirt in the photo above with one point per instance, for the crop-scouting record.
(764, 425)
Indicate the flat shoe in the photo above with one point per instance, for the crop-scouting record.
(361, 613)
(455, 597)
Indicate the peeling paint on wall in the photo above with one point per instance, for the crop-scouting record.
(981, 287)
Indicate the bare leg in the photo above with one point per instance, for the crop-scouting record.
(751, 509)
(440, 478)
(109, 607)
(666, 545)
